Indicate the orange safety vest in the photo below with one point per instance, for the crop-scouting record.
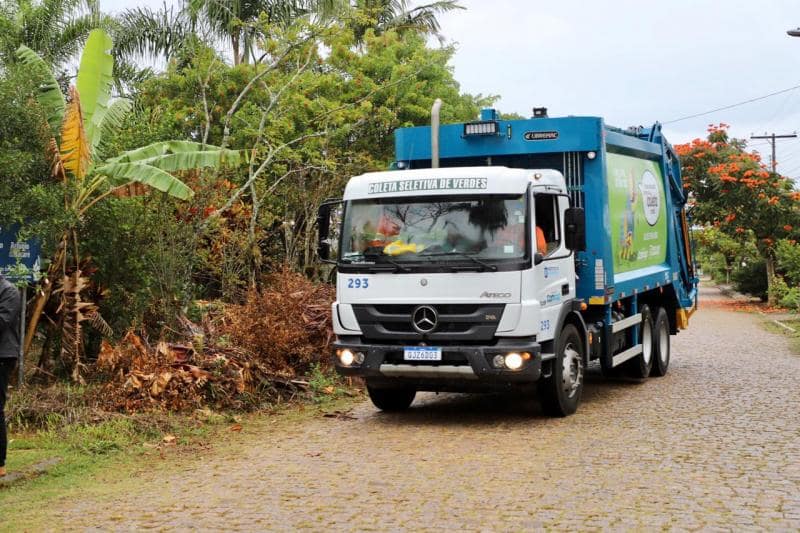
(541, 242)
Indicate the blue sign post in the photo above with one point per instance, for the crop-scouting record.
(19, 260)
(20, 264)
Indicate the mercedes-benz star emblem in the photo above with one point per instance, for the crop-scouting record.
(424, 319)
(423, 282)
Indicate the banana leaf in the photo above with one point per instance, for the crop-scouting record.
(111, 122)
(159, 149)
(95, 77)
(189, 160)
(75, 152)
(123, 173)
(50, 96)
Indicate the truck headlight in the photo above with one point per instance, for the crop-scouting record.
(346, 357)
(514, 361)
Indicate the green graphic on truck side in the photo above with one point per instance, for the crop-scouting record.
(637, 207)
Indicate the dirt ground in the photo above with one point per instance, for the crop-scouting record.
(714, 444)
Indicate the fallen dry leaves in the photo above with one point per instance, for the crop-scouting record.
(274, 336)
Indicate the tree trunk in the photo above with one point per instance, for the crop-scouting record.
(43, 295)
(235, 45)
(770, 279)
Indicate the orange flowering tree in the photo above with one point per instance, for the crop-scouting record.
(732, 190)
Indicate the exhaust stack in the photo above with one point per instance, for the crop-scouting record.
(437, 106)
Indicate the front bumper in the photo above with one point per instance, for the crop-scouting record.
(463, 368)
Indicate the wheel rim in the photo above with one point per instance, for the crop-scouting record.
(663, 342)
(647, 342)
(571, 370)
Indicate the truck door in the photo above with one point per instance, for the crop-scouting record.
(555, 274)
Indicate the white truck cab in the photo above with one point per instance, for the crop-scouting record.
(451, 278)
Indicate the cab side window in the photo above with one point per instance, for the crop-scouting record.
(548, 227)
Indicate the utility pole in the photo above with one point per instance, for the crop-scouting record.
(771, 139)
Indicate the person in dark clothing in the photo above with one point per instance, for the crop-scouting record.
(9, 352)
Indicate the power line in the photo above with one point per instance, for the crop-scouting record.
(732, 105)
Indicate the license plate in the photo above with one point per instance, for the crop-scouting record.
(422, 353)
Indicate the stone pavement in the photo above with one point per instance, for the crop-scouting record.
(713, 445)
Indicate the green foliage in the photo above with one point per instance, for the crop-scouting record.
(143, 257)
(54, 29)
(312, 121)
(791, 299)
(778, 289)
(720, 255)
(280, 134)
(381, 16)
(27, 193)
(788, 255)
(325, 385)
(94, 82)
(752, 279)
(50, 97)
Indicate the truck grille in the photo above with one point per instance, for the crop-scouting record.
(457, 323)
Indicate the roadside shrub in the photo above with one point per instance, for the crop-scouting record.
(788, 256)
(778, 290)
(752, 279)
(142, 258)
(791, 299)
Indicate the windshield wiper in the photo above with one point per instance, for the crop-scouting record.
(386, 259)
(471, 257)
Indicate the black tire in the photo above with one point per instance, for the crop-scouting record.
(560, 394)
(661, 347)
(391, 400)
(640, 366)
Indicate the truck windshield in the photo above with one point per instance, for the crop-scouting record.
(454, 229)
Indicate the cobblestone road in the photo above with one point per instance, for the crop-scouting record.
(714, 444)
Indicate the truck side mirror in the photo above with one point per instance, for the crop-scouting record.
(575, 229)
(329, 219)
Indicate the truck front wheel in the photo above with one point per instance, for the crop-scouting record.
(560, 393)
(391, 399)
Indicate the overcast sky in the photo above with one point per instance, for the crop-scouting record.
(633, 62)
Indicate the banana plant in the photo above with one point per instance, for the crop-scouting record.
(81, 126)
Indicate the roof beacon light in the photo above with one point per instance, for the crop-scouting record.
(539, 112)
(472, 129)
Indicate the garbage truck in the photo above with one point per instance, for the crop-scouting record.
(503, 255)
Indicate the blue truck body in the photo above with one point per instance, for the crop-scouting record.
(579, 147)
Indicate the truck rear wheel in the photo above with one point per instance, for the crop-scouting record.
(640, 366)
(660, 344)
(391, 399)
(560, 393)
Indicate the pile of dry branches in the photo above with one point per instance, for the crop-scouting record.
(286, 325)
(240, 356)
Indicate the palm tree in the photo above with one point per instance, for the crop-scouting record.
(144, 32)
(168, 31)
(385, 15)
(54, 29)
(80, 127)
